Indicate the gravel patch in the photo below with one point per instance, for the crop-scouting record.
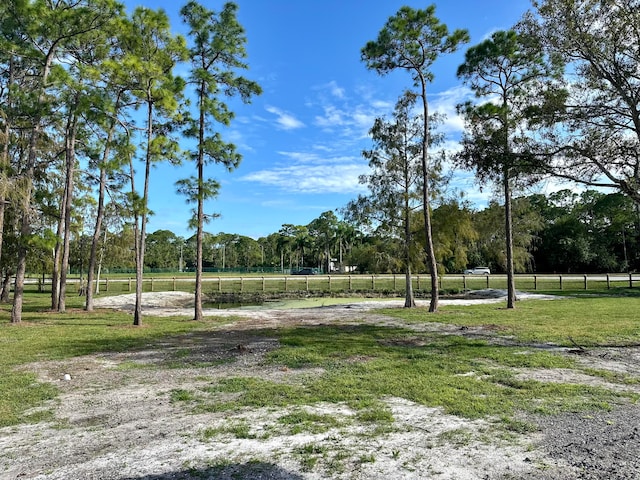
(591, 447)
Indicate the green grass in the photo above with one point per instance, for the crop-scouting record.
(357, 365)
(237, 429)
(364, 364)
(299, 421)
(588, 321)
(44, 335)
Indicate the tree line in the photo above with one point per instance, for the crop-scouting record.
(88, 91)
(562, 232)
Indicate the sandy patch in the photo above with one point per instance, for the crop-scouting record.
(116, 420)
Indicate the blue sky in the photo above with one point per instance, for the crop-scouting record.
(302, 139)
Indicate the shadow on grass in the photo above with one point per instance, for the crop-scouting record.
(246, 471)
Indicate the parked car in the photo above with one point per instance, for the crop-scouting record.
(478, 271)
(303, 271)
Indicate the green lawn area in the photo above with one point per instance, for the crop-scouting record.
(587, 320)
(360, 364)
(44, 335)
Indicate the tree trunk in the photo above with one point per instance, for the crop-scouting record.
(199, 235)
(4, 182)
(104, 243)
(25, 226)
(137, 313)
(409, 300)
(431, 254)
(3, 179)
(18, 290)
(72, 129)
(2, 207)
(508, 218)
(511, 286)
(137, 316)
(97, 230)
(6, 287)
(4, 160)
(57, 254)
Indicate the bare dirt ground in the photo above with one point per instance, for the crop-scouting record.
(115, 420)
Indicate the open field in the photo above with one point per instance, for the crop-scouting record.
(346, 391)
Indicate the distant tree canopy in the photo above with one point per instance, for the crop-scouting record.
(586, 232)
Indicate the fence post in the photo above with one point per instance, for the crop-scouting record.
(560, 282)
(373, 283)
(307, 279)
(152, 284)
(488, 281)
(630, 280)
(395, 284)
(241, 284)
(535, 282)
(106, 284)
(350, 284)
(608, 282)
(263, 285)
(285, 283)
(464, 282)
(419, 282)
(585, 281)
(219, 284)
(129, 283)
(174, 284)
(329, 283)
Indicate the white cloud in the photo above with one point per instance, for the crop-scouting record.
(332, 88)
(331, 163)
(364, 119)
(336, 91)
(238, 138)
(285, 120)
(347, 122)
(353, 121)
(382, 105)
(333, 117)
(446, 103)
(310, 173)
(274, 203)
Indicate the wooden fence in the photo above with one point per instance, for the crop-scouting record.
(358, 283)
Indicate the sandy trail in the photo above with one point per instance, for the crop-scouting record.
(116, 419)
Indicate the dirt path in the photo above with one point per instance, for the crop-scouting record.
(115, 420)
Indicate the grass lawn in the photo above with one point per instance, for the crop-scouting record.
(586, 320)
(358, 364)
(44, 335)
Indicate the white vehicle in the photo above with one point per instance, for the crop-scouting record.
(478, 271)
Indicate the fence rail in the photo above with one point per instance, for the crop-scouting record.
(352, 283)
